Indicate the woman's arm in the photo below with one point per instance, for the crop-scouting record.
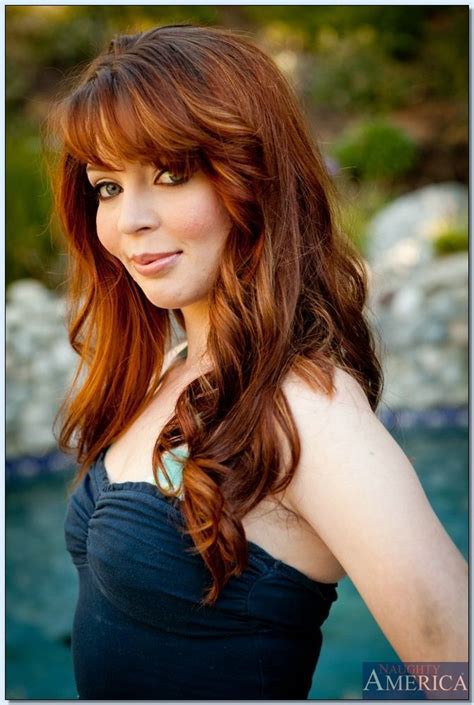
(357, 489)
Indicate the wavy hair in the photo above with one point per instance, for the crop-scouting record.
(289, 296)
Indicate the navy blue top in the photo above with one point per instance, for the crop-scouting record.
(139, 631)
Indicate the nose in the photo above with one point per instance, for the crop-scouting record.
(138, 212)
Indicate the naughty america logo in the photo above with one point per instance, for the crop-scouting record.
(415, 680)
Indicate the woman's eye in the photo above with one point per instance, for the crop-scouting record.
(106, 190)
(170, 178)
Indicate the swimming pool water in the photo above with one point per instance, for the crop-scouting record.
(41, 583)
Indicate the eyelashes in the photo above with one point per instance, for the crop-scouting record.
(171, 178)
(102, 185)
(166, 177)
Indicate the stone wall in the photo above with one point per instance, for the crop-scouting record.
(423, 325)
(39, 367)
(419, 300)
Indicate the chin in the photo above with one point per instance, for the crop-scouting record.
(170, 301)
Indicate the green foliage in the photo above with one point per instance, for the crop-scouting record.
(30, 247)
(375, 57)
(399, 33)
(359, 203)
(381, 56)
(352, 73)
(453, 239)
(443, 65)
(375, 149)
(45, 43)
(352, 61)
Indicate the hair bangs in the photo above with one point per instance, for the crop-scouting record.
(108, 122)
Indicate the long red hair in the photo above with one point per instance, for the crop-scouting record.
(289, 297)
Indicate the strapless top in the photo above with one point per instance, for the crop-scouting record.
(139, 631)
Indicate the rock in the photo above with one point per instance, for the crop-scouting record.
(401, 235)
(28, 294)
(459, 333)
(418, 302)
(39, 363)
(424, 335)
(405, 302)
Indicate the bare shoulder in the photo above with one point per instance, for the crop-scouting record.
(315, 410)
(345, 450)
(347, 389)
(357, 489)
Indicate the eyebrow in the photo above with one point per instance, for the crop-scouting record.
(96, 167)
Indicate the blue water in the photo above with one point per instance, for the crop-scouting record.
(41, 582)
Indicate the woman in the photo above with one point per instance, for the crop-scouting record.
(227, 484)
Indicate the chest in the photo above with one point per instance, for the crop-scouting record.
(271, 525)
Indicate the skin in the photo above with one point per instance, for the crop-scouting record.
(354, 485)
(142, 210)
(358, 491)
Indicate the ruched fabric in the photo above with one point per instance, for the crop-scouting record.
(139, 631)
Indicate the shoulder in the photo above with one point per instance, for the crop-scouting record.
(349, 460)
(348, 396)
(326, 422)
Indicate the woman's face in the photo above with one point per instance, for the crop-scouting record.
(168, 232)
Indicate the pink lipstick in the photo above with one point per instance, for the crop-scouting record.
(151, 263)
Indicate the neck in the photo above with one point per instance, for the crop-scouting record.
(196, 321)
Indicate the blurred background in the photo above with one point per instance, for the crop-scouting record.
(385, 91)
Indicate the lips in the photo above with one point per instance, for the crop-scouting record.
(151, 263)
(148, 257)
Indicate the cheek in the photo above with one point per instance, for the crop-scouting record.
(204, 222)
(105, 232)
